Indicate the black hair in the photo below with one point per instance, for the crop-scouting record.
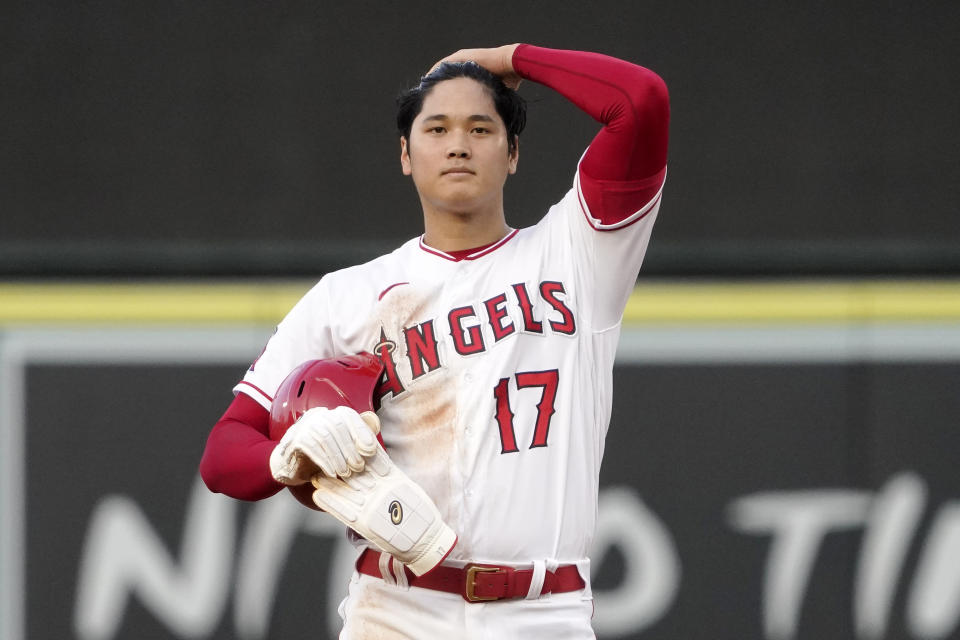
(509, 104)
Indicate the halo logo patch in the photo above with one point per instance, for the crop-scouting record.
(396, 512)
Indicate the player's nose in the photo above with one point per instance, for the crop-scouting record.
(458, 145)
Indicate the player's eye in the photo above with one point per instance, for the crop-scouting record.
(436, 129)
(481, 130)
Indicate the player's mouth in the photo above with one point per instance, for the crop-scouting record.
(457, 171)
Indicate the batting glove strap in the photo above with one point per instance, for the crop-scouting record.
(390, 510)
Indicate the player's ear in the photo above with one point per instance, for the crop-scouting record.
(404, 156)
(514, 155)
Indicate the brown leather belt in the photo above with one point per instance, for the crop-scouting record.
(480, 582)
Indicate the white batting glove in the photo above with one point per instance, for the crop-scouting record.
(390, 510)
(334, 441)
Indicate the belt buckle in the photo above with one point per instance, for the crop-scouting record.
(472, 571)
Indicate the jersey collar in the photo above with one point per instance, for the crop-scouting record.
(469, 254)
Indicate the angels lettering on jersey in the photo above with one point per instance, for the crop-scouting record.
(412, 351)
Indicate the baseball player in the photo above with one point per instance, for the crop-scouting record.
(497, 348)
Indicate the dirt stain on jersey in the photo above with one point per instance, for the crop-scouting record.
(399, 307)
(419, 424)
(420, 430)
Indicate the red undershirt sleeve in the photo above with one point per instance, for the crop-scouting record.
(236, 460)
(624, 167)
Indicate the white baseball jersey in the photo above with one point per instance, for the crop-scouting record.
(498, 385)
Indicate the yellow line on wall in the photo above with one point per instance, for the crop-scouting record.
(266, 302)
(810, 301)
(261, 303)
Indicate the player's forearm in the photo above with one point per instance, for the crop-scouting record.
(236, 459)
(630, 101)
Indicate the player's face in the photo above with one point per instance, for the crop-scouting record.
(457, 153)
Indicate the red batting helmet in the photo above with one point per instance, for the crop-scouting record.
(334, 382)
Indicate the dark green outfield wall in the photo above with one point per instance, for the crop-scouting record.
(256, 137)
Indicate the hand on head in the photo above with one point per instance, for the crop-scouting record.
(497, 60)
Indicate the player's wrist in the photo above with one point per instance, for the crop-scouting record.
(509, 51)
